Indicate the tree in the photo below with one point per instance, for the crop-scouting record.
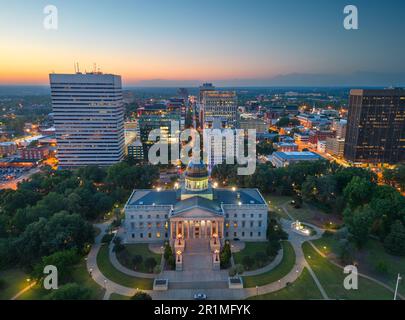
(141, 296)
(358, 222)
(394, 243)
(358, 192)
(63, 260)
(137, 260)
(264, 148)
(261, 258)
(70, 291)
(236, 270)
(61, 232)
(346, 251)
(225, 255)
(150, 263)
(248, 262)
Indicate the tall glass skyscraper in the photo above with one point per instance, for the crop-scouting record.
(89, 118)
(376, 126)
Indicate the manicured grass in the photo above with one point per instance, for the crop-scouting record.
(251, 248)
(275, 203)
(304, 288)
(79, 276)
(14, 281)
(368, 258)
(113, 274)
(331, 277)
(116, 296)
(131, 250)
(277, 273)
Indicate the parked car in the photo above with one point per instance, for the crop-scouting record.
(200, 296)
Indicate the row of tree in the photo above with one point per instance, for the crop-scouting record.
(53, 211)
(366, 207)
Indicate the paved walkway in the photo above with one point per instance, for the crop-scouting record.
(360, 274)
(23, 291)
(267, 268)
(117, 265)
(179, 287)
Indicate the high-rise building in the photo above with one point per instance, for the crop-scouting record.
(335, 146)
(219, 105)
(204, 88)
(89, 118)
(159, 116)
(376, 126)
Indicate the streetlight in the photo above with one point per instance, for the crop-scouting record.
(396, 287)
(105, 284)
(257, 290)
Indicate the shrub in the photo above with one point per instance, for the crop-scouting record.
(225, 256)
(272, 248)
(107, 238)
(168, 252)
(171, 262)
(157, 269)
(248, 262)
(150, 263)
(137, 260)
(261, 258)
(141, 296)
(70, 291)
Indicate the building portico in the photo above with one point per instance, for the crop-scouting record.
(196, 229)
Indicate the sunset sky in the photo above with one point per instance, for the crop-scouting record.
(199, 40)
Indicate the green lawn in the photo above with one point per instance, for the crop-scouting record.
(113, 274)
(331, 277)
(368, 258)
(251, 248)
(275, 203)
(277, 273)
(79, 276)
(14, 281)
(304, 288)
(142, 249)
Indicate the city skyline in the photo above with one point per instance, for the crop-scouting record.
(184, 43)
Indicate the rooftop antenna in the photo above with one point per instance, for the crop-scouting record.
(94, 67)
(78, 69)
(74, 66)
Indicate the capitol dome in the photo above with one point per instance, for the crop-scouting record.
(196, 176)
(196, 170)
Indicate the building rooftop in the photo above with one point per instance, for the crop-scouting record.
(171, 198)
(296, 155)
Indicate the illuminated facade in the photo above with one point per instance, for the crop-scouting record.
(219, 106)
(376, 127)
(195, 210)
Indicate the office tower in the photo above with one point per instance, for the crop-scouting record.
(135, 150)
(376, 126)
(339, 126)
(177, 105)
(219, 105)
(159, 116)
(89, 118)
(335, 146)
(204, 88)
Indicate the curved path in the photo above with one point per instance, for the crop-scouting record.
(117, 265)
(220, 293)
(267, 268)
(360, 274)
